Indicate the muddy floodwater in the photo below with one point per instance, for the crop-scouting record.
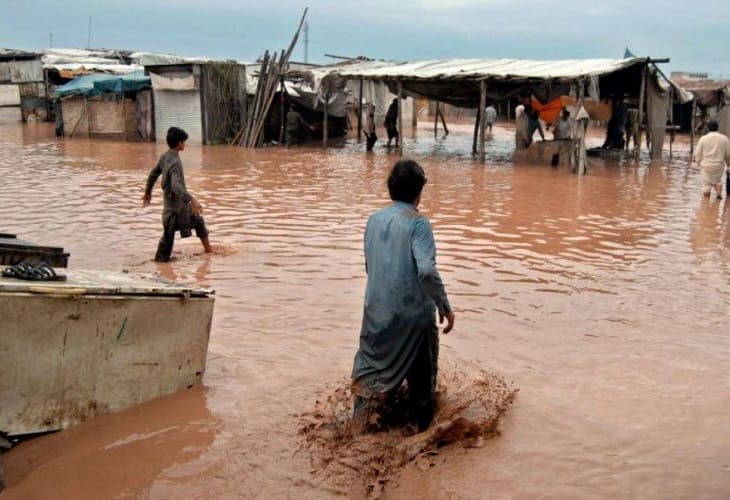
(603, 298)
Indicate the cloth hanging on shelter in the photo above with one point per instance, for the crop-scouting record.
(657, 106)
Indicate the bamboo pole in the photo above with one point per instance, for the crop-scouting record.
(436, 120)
(281, 110)
(400, 118)
(692, 130)
(582, 135)
(359, 115)
(640, 118)
(325, 132)
(483, 117)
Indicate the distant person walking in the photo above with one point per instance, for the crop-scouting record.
(181, 211)
(391, 122)
(713, 156)
(491, 117)
(370, 136)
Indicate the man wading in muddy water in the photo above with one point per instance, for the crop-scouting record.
(399, 336)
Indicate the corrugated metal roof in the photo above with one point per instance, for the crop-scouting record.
(512, 69)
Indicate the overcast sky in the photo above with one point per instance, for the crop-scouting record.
(695, 35)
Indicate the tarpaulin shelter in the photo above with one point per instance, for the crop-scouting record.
(107, 105)
(470, 82)
(99, 83)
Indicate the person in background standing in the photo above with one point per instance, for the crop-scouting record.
(370, 136)
(391, 122)
(491, 117)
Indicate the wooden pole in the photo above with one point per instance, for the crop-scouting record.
(476, 131)
(359, 115)
(640, 118)
(281, 111)
(400, 118)
(692, 130)
(414, 114)
(581, 135)
(436, 120)
(483, 117)
(443, 122)
(509, 108)
(326, 112)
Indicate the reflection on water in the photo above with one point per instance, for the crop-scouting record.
(603, 297)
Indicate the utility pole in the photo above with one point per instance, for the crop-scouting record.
(88, 40)
(50, 40)
(306, 41)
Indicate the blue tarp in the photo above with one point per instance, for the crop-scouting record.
(99, 83)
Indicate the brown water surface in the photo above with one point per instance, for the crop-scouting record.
(603, 297)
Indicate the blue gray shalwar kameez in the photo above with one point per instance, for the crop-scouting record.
(399, 338)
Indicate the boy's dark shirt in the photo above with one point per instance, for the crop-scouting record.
(176, 196)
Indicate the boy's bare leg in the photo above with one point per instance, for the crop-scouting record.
(206, 244)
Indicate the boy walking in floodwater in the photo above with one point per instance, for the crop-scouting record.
(181, 211)
(399, 336)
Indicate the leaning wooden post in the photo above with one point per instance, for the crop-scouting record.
(326, 112)
(436, 120)
(483, 117)
(359, 115)
(443, 122)
(640, 118)
(692, 130)
(400, 118)
(476, 131)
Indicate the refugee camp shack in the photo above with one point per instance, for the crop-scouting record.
(712, 101)
(22, 86)
(207, 98)
(112, 106)
(469, 83)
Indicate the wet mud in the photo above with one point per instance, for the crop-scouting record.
(356, 462)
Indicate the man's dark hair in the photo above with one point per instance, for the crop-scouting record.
(713, 126)
(175, 136)
(406, 181)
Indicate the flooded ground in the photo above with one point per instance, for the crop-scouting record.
(603, 298)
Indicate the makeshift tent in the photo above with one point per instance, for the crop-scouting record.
(470, 83)
(97, 84)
